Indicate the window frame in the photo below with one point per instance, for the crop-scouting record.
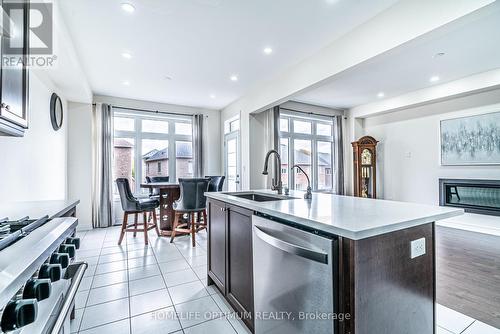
(314, 138)
(137, 135)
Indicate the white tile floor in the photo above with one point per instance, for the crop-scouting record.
(453, 322)
(162, 288)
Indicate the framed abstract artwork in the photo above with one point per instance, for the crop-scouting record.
(472, 140)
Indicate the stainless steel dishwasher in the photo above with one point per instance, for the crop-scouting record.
(293, 273)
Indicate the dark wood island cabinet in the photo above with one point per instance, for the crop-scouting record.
(330, 258)
(230, 265)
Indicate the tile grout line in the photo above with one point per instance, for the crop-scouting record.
(468, 326)
(168, 291)
(128, 288)
(210, 295)
(163, 276)
(91, 282)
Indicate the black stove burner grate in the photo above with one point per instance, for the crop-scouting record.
(11, 231)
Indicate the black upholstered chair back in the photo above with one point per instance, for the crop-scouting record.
(129, 202)
(192, 194)
(154, 179)
(216, 183)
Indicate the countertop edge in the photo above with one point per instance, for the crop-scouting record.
(71, 204)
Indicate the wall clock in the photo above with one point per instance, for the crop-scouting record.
(56, 111)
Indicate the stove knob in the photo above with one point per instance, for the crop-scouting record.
(37, 288)
(19, 313)
(50, 271)
(68, 249)
(73, 241)
(60, 258)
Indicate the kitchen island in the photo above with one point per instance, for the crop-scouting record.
(371, 271)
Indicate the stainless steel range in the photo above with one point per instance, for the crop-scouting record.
(38, 275)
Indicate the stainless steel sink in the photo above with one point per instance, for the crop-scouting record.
(260, 197)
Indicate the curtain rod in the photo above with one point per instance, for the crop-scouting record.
(307, 112)
(150, 111)
(153, 111)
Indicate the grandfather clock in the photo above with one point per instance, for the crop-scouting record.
(365, 159)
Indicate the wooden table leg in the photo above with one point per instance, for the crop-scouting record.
(167, 213)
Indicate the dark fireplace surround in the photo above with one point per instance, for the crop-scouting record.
(475, 196)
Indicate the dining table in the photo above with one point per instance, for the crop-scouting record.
(169, 192)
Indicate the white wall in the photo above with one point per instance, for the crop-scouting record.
(80, 160)
(34, 166)
(409, 152)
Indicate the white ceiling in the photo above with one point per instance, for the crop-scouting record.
(471, 45)
(199, 44)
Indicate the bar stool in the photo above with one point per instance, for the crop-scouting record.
(191, 201)
(132, 205)
(216, 183)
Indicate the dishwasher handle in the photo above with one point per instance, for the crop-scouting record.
(291, 248)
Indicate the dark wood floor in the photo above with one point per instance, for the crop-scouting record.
(468, 273)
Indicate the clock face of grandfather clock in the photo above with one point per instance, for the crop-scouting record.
(364, 152)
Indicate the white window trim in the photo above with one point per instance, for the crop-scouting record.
(314, 138)
(137, 135)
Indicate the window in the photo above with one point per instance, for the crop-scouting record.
(183, 129)
(307, 141)
(234, 125)
(323, 129)
(184, 159)
(285, 165)
(124, 161)
(303, 158)
(302, 127)
(324, 156)
(284, 124)
(149, 144)
(231, 125)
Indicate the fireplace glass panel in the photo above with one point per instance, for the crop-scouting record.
(486, 197)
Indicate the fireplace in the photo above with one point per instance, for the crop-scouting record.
(475, 196)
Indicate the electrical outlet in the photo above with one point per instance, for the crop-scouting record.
(417, 248)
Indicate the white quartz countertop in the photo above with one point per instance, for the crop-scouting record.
(351, 217)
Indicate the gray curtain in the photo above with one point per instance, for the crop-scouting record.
(339, 152)
(198, 145)
(102, 151)
(272, 136)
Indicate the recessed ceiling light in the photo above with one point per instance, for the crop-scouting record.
(126, 83)
(234, 77)
(268, 51)
(439, 54)
(126, 55)
(331, 2)
(381, 95)
(212, 96)
(128, 7)
(434, 78)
